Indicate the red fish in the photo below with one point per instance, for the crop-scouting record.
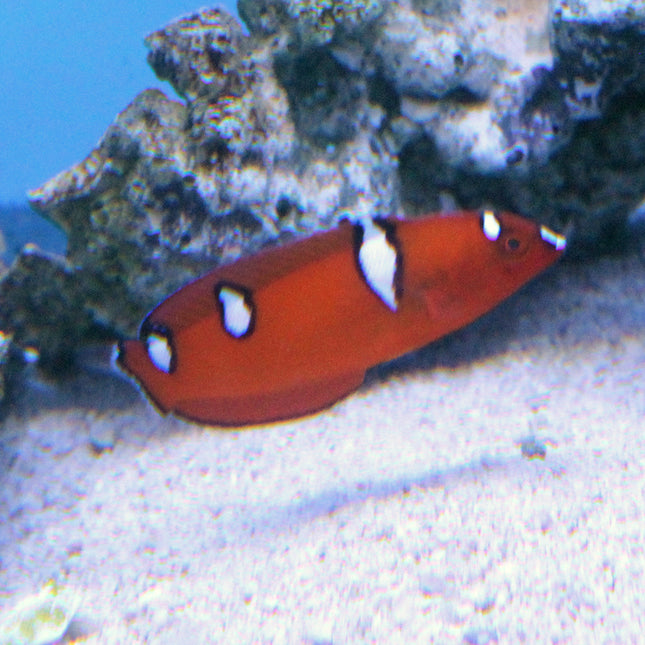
(293, 329)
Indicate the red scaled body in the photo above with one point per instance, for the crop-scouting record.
(293, 329)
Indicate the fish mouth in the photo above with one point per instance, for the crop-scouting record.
(559, 242)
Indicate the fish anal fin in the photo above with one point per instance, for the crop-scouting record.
(268, 407)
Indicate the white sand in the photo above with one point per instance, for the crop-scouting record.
(405, 514)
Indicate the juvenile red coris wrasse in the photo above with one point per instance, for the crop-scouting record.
(293, 329)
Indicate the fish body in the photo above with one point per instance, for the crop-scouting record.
(293, 329)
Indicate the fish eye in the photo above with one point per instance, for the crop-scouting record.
(512, 244)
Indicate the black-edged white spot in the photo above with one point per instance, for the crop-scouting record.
(378, 259)
(236, 308)
(490, 225)
(158, 342)
(551, 237)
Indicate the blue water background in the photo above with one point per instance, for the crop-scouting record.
(66, 70)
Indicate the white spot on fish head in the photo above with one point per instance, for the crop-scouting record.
(553, 238)
(490, 225)
(159, 351)
(378, 260)
(237, 312)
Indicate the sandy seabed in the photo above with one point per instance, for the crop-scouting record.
(418, 510)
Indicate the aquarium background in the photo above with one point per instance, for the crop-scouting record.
(487, 489)
(66, 70)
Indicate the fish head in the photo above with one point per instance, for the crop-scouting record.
(516, 249)
(475, 260)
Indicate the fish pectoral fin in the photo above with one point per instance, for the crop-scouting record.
(439, 303)
(266, 407)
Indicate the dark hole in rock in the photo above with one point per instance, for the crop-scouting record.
(244, 220)
(382, 92)
(321, 94)
(515, 156)
(181, 207)
(462, 95)
(151, 119)
(423, 175)
(215, 57)
(252, 157)
(151, 239)
(213, 152)
(283, 207)
(163, 65)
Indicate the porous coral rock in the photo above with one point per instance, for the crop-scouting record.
(463, 71)
(336, 107)
(199, 54)
(311, 22)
